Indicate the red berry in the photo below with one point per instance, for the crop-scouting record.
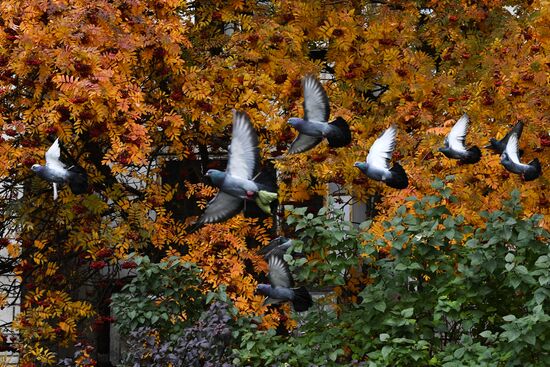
(10, 132)
(33, 61)
(97, 265)
(176, 95)
(129, 265)
(544, 140)
(29, 161)
(78, 100)
(104, 252)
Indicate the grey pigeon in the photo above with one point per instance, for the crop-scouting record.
(277, 246)
(454, 143)
(237, 183)
(315, 126)
(375, 92)
(55, 172)
(500, 145)
(377, 164)
(510, 161)
(281, 286)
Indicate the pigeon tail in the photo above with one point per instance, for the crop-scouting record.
(398, 178)
(343, 135)
(534, 172)
(494, 145)
(276, 247)
(473, 155)
(302, 299)
(264, 199)
(77, 180)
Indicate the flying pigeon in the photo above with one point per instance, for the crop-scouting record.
(377, 164)
(500, 145)
(375, 92)
(55, 172)
(510, 160)
(281, 287)
(454, 143)
(315, 126)
(237, 183)
(277, 246)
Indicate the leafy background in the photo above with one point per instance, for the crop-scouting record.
(136, 89)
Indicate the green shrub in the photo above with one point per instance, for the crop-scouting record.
(447, 295)
(162, 296)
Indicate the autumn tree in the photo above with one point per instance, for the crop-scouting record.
(140, 94)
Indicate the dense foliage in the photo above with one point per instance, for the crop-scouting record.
(140, 94)
(444, 293)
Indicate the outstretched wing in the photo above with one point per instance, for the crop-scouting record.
(53, 154)
(512, 148)
(381, 150)
(316, 105)
(279, 273)
(222, 207)
(243, 151)
(517, 129)
(457, 136)
(303, 143)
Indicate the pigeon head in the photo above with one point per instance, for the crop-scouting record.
(215, 176)
(263, 289)
(295, 121)
(504, 157)
(361, 165)
(36, 168)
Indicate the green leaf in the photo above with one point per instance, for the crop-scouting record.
(509, 318)
(401, 267)
(380, 306)
(386, 350)
(334, 355)
(509, 257)
(408, 312)
(459, 353)
(520, 269)
(486, 334)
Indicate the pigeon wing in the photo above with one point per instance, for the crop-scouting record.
(316, 105)
(381, 150)
(517, 129)
(53, 154)
(222, 207)
(243, 151)
(303, 143)
(279, 273)
(457, 136)
(512, 148)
